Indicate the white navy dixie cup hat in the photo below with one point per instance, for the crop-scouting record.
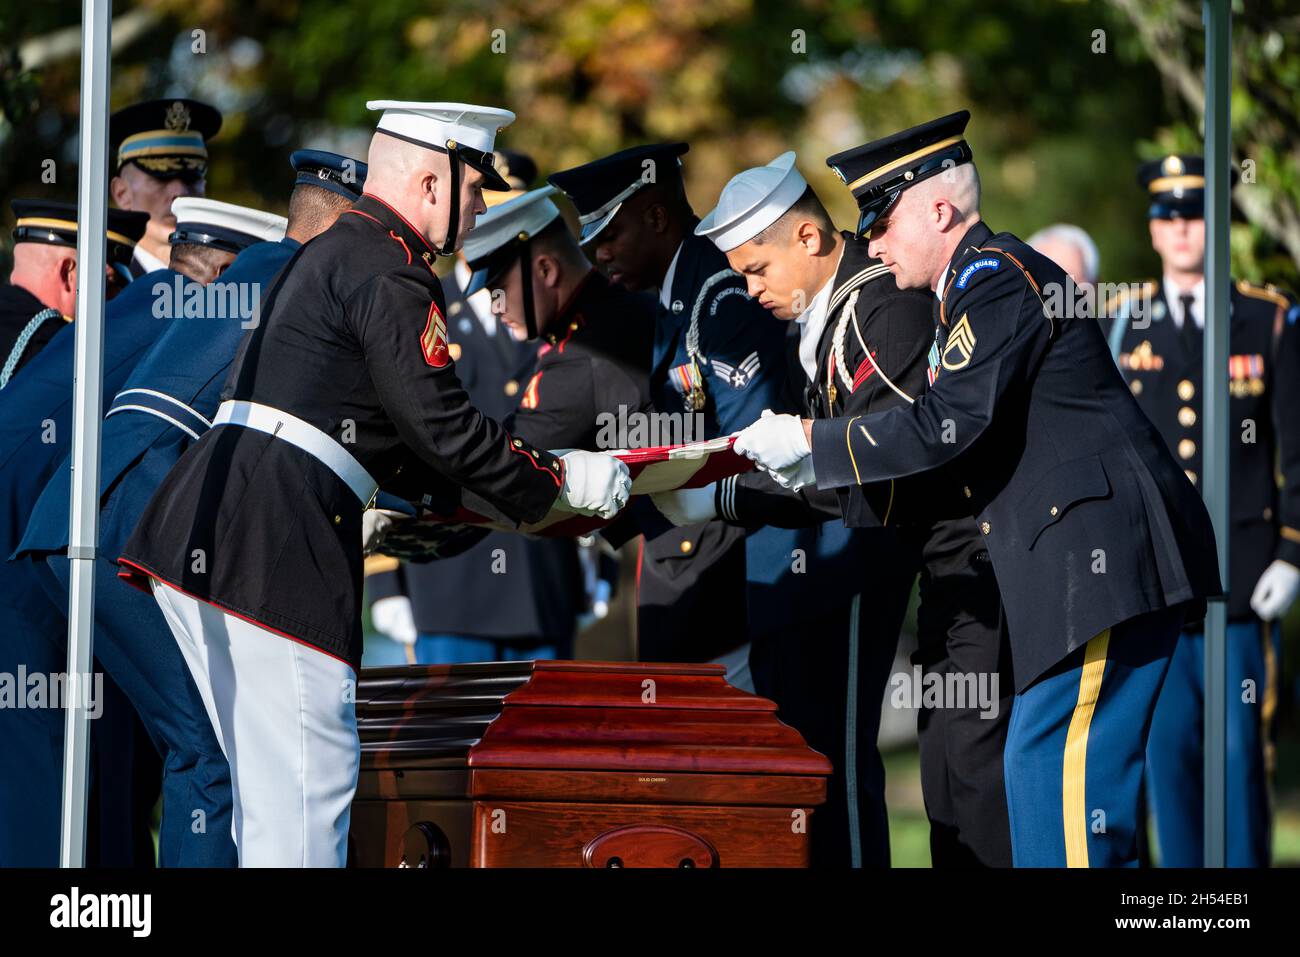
(752, 201)
(465, 128)
(501, 233)
(207, 222)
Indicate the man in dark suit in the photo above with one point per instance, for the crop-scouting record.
(1101, 547)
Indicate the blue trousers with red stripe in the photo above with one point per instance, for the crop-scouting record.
(1076, 748)
(1175, 759)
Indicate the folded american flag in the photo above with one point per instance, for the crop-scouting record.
(659, 469)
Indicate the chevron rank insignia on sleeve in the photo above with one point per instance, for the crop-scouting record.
(960, 346)
(737, 376)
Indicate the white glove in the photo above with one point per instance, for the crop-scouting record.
(1276, 590)
(796, 476)
(686, 506)
(375, 523)
(392, 616)
(775, 442)
(595, 483)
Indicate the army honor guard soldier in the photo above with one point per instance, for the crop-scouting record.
(347, 383)
(159, 153)
(1162, 359)
(1101, 548)
(41, 293)
(864, 346)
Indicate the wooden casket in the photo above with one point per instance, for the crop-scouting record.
(577, 764)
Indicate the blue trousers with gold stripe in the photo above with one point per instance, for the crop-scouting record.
(1076, 748)
(1175, 759)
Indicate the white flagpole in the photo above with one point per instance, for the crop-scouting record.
(92, 216)
(1218, 158)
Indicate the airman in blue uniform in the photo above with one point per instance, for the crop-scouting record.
(456, 609)
(149, 360)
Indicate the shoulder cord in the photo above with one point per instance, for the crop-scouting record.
(849, 316)
(20, 345)
(693, 330)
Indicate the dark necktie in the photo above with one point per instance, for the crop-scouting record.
(1191, 341)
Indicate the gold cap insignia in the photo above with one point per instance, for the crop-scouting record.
(178, 117)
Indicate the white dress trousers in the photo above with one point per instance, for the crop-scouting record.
(285, 714)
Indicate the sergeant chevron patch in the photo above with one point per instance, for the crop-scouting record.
(960, 346)
(433, 341)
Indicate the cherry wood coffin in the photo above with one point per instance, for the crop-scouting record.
(577, 764)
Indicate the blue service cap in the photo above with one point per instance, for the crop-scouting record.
(339, 174)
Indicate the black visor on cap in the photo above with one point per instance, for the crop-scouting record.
(484, 163)
(879, 199)
(217, 237)
(1188, 207)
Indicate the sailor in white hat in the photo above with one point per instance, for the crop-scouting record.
(346, 385)
(209, 234)
(863, 346)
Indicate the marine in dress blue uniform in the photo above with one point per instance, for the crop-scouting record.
(35, 436)
(1101, 547)
(1161, 357)
(161, 409)
(38, 299)
(456, 609)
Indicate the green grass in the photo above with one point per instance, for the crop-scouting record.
(909, 831)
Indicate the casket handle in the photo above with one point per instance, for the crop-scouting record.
(424, 845)
(649, 845)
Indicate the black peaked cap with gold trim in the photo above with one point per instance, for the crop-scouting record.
(55, 223)
(168, 139)
(1176, 185)
(878, 172)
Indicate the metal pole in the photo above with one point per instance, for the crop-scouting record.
(1218, 159)
(92, 214)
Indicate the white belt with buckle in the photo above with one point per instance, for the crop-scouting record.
(304, 435)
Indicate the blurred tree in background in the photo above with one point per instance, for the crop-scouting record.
(1067, 95)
